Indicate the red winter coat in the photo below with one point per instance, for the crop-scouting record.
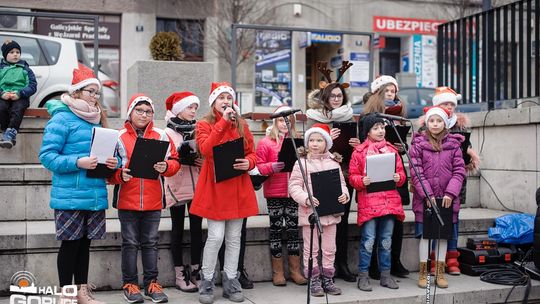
(376, 204)
(233, 198)
(141, 194)
(267, 153)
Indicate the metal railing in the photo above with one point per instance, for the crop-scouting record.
(493, 55)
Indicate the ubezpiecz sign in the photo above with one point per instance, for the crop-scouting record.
(405, 25)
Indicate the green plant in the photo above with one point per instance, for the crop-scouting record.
(166, 46)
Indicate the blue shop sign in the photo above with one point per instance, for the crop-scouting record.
(325, 37)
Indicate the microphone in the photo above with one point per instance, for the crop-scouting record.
(284, 113)
(231, 115)
(391, 117)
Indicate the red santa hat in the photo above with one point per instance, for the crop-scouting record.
(443, 113)
(445, 94)
(382, 80)
(178, 101)
(83, 77)
(136, 99)
(322, 129)
(217, 89)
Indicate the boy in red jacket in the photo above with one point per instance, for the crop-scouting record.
(139, 202)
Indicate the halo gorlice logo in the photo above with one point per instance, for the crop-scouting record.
(24, 291)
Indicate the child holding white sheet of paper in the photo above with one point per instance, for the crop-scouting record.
(377, 211)
(318, 141)
(438, 158)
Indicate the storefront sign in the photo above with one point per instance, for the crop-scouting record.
(108, 32)
(405, 25)
(325, 37)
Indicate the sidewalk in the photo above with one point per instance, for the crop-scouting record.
(463, 289)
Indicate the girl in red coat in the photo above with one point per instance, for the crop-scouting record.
(224, 204)
(377, 211)
(281, 207)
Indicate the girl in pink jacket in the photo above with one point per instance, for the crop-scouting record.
(377, 211)
(281, 207)
(318, 141)
(179, 189)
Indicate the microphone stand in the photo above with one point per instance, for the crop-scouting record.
(434, 208)
(314, 219)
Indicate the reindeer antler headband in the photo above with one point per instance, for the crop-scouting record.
(322, 67)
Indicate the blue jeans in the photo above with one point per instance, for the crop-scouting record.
(381, 228)
(139, 229)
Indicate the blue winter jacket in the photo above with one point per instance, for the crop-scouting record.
(67, 138)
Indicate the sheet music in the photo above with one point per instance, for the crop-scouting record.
(381, 167)
(103, 143)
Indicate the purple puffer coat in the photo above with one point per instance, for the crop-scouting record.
(443, 170)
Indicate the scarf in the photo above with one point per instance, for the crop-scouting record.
(85, 110)
(392, 107)
(377, 147)
(343, 113)
(184, 127)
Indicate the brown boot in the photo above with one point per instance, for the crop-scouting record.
(294, 270)
(278, 277)
(439, 275)
(84, 295)
(422, 275)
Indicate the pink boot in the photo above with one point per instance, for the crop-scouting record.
(196, 275)
(183, 281)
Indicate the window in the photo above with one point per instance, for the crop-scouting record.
(191, 33)
(31, 52)
(51, 50)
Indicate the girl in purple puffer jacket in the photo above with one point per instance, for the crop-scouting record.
(438, 158)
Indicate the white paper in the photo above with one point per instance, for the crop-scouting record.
(103, 143)
(381, 167)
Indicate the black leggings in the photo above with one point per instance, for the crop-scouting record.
(178, 215)
(73, 260)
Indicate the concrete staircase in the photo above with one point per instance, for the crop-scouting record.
(27, 238)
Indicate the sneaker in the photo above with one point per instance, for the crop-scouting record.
(8, 138)
(244, 280)
(315, 287)
(132, 293)
(154, 292)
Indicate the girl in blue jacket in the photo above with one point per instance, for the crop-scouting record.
(79, 202)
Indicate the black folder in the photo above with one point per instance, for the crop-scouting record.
(186, 153)
(326, 187)
(225, 156)
(465, 145)
(101, 171)
(146, 153)
(431, 223)
(392, 137)
(341, 144)
(287, 153)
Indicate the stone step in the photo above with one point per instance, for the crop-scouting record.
(31, 246)
(462, 289)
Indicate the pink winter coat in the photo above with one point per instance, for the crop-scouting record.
(442, 171)
(180, 187)
(267, 153)
(313, 163)
(375, 204)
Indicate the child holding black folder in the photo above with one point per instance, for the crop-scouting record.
(281, 207)
(179, 189)
(79, 201)
(438, 158)
(226, 203)
(139, 202)
(377, 211)
(318, 141)
(447, 99)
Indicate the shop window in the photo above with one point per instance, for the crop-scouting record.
(191, 33)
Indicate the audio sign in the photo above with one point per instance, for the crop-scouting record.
(325, 37)
(406, 25)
